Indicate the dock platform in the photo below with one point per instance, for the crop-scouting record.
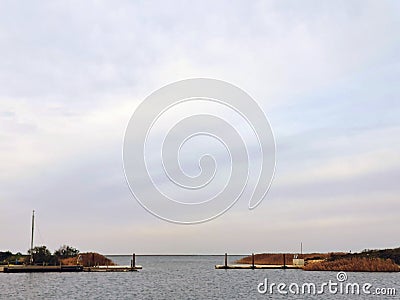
(39, 269)
(112, 269)
(253, 265)
(250, 266)
(61, 268)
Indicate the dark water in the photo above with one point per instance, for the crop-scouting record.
(181, 277)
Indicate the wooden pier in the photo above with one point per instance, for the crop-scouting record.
(48, 269)
(112, 269)
(39, 269)
(253, 266)
(250, 266)
(132, 268)
(67, 268)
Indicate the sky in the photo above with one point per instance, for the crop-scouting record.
(325, 73)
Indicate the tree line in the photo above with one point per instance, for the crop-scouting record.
(40, 254)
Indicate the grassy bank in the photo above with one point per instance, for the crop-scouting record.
(354, 264)
(87, 260)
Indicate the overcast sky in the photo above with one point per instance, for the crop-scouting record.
(325, 72)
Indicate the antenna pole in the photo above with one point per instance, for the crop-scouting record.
(33, 226)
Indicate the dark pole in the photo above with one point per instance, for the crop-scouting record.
(33, 226)
(301, 250)
(226, 260)
(252, 260)
(284, 260)
(133, 260)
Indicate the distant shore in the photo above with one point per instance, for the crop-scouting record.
(87, 259)
(387, 260)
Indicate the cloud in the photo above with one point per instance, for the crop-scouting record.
(73, 72)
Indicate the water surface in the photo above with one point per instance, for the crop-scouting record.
(179, 277)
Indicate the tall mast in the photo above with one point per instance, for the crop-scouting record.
(33, 226)
(301, 248)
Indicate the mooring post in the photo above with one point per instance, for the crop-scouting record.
(252, 260)
(284, 260)
(226, 260)
(133, 260)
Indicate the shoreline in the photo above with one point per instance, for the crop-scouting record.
(387, 260)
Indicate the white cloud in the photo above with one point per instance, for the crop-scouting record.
(72, 73)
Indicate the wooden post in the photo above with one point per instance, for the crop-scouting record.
(133, 260)
(226, 260)
(284, 260)
(252, 260)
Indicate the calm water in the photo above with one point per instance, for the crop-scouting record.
(179, 277)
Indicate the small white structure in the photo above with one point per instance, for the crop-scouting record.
(298, 262)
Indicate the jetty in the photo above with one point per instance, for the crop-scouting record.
(251, 266)
(39, 269)
(297, 264)
(48, 269)
(70, 268)
(112, 269)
